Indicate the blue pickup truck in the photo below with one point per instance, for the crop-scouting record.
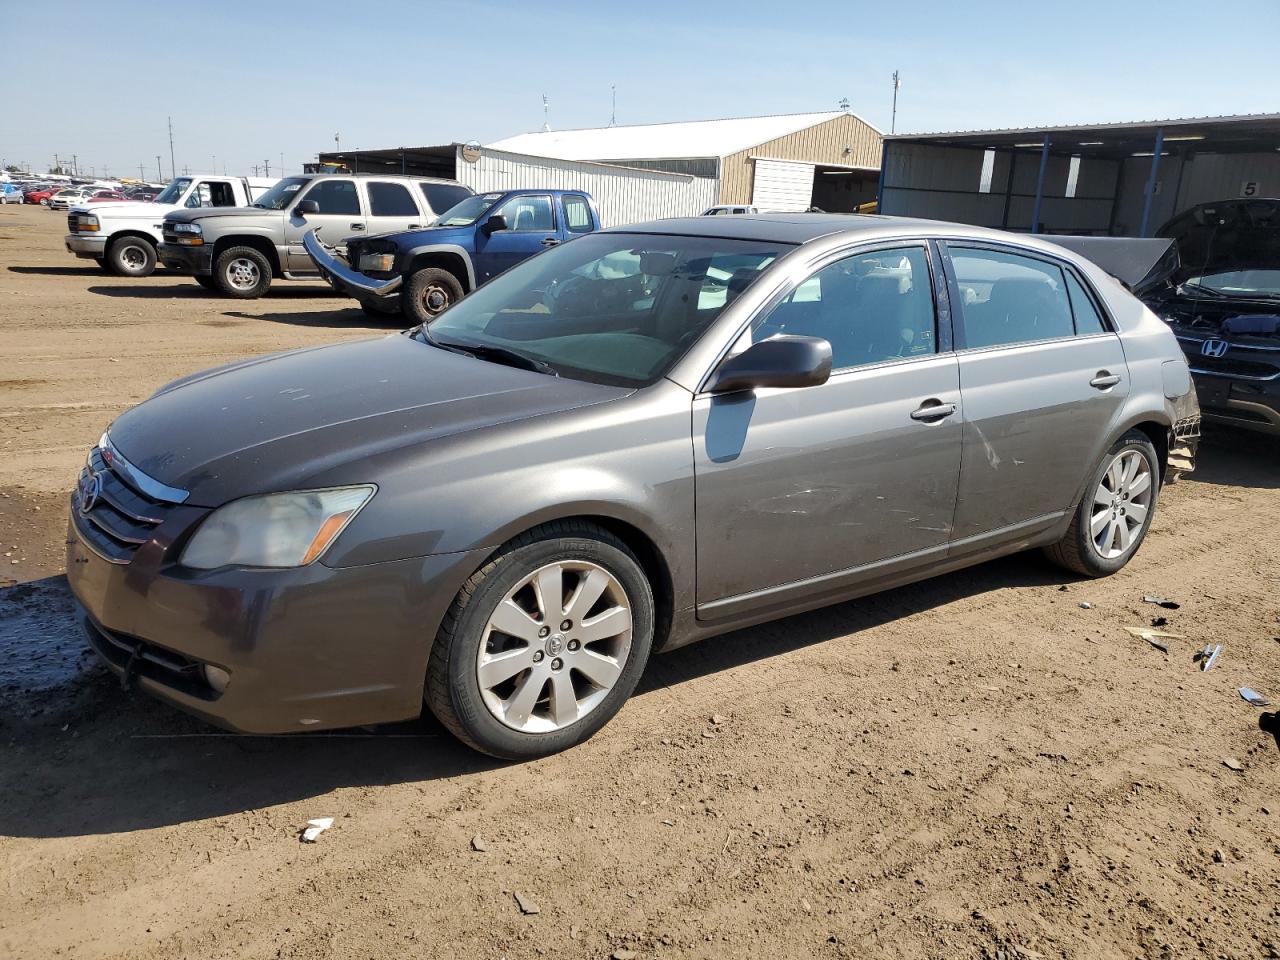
(420, 273)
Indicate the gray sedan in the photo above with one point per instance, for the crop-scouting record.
(641, 438)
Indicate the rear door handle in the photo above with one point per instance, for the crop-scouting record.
(550, 242)
(357, 226)
(933, 410)
(1105, 380)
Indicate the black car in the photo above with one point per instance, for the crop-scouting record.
(1223, 304)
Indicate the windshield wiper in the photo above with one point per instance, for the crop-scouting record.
(512, 358)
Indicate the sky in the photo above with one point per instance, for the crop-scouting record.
(246, 84)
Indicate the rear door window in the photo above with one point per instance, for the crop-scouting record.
(1088, 320)
(390, 200)
(1007, 298)
(443, 196)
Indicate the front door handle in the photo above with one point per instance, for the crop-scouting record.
(357, 226)
(933, 410)
(550, 242)
(1105, 380)
(415, 226)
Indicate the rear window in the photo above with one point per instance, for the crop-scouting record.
(1008, 299)
(577, 215)
(1087, 317)
(442, 196)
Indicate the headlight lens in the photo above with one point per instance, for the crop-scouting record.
(86, 223)
(276, 530)
(187, 233)
(377, 263)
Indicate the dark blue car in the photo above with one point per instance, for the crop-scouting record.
(422, 272)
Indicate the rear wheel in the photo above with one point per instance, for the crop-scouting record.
(131, 257)
(429, 293)
(242, 272)
(1115, 512)
(543, 644)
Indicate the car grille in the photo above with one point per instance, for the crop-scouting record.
(140, 658)
(120, 518)
(73, 222)
(1235, 367)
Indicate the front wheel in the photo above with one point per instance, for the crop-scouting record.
(242, 272)
(543, 644)
(429, 293)
(131, 257)
(1115, 512)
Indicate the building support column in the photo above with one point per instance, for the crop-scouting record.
(1044, 164)
(1150, 192)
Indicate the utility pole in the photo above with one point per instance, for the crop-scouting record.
(266, 168)
(255, 169)
(75, 166)
(141, 175)
(282, 163)
(186, 169)
(546, 114)
(613, 108)
(173, 167)
(893, 122)
(56, 166)
(337, 143)
(159, 170)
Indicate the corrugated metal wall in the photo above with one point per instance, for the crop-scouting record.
(622, 195)
(1183, 183)
(823, 143)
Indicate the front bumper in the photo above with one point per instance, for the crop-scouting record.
(345, 279)
(196, 261)
(87, 247)
(309, 648)
(1249, 404)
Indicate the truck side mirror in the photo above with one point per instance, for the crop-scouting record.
(303, 207)
(495, 223)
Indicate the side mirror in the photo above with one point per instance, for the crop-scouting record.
(780, 361)
(303, 207)
(495, 223)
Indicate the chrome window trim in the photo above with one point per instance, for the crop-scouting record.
(150, 486)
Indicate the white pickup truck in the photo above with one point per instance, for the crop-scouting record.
(122, 236)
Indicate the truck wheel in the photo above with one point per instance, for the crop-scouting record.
(131, 257)
(1115, 512)
(430, 292)
(544, 643)
(242, 272)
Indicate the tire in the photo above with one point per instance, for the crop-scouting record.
(429, 293)
(493, 720)
(380, 314)
(242, 272)
(1095, 544)
(205, 280)
(131, 257)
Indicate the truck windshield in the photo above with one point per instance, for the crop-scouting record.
(282, 194)
(468, 211)
(615, 308)
(174, 190)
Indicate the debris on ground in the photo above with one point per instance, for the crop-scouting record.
(1208, 656)
(1231, 763)
(478, 844)
(1219, 857)
(718, 719)
(1154, 637)
(1159, 621)
(1161, 602)
(1254, 697)
(316, 827)
(1086, 605)
(525, 903)
(621, 954)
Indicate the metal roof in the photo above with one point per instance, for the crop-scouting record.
(1233, 132)
(663, 141)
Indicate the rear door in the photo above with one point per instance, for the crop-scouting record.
(531, 228)
(810, 490)
(1043, 377)
(342, 213)
(392, 207)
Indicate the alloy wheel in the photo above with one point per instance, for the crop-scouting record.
(554, 646)
(1121, 504)
(242, 273)
(133, 258)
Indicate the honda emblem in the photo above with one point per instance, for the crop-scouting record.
(1213, 348)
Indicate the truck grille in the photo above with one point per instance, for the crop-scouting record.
(73, 222)
(1229, 366)
(120, 518)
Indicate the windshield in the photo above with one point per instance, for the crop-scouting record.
(282, 194)
(1239, 283)
(615, 308)
(174, 190)
(468, 211)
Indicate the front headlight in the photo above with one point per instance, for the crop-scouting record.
(86, 223)
(377, 263)
(275, 530)
(189, 234)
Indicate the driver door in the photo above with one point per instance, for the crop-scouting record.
(531, 228)
(342, 213)
(801, 491)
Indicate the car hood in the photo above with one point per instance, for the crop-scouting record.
(203, 213)
(123, 208)
(1227, 235)
(270, 423)
(413, 238)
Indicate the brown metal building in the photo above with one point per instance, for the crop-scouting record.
(788, 162)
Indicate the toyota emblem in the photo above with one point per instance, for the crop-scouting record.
(90, 490)
(1213, 348)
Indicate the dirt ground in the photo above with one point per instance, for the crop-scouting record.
(976, 766)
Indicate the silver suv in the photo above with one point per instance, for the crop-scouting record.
(238, 251)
